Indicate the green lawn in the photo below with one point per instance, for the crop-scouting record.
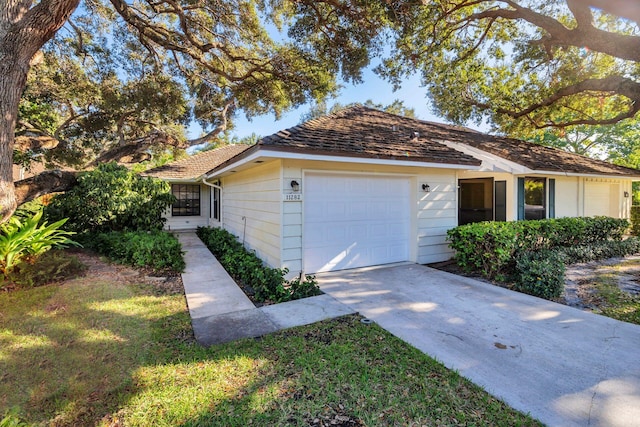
(101, 352)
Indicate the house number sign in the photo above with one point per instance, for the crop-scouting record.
(295, 197)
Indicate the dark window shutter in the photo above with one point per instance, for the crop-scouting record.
(520, 199)
(552, 198)
(500, 208)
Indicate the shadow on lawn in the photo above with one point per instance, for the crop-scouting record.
(104, 352)
(69, 352)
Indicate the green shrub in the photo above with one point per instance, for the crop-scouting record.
(267, 284)
(27, 239)
(491, 248)
(53, 266)
(304, 288)
(540, 274)
(155, 249)
(112, 198)
(600, 250)
(485, 247)
(533, 254)
(11, 418)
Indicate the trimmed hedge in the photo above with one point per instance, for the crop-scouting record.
(268, 284)
(600, 250)
(540, 274)
(532, 254)
(156, 249)
(490, 248)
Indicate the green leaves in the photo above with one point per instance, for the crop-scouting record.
(27, 239)
(158, 250)
(112, 198)
(264, 283)
(521, 65)
(532, 254)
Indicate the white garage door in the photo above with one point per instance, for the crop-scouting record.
(355, 221)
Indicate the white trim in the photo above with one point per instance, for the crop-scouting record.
(586, 175)
(211, 207)
(350, 172)
(275, 154)
(182, 180)
(490, 162)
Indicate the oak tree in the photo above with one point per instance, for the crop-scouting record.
(523, 64)
(122, 77)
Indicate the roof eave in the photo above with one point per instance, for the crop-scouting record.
(280, 153)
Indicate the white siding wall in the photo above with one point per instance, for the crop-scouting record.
(190, 222)
(255, 195)
(437, 212)
(292, 233)
(575, 196)
(606, 197)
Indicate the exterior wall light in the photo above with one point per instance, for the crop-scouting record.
(295, 185)
(626, 194)
(426, 188)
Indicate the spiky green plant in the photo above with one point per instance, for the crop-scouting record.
(27, 239)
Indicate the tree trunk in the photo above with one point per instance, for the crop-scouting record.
(12, 81)
(24, 29)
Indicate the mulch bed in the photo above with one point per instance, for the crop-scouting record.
(162, 283)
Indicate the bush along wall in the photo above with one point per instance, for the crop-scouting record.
(267, 284)
(158, 250)
(532, 255)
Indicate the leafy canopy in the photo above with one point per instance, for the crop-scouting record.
(523, 65)
(112, 198)
(121, 80)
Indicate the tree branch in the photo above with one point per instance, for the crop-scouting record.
(628, 9)
(45, 183)
(218, 129)
(617, 45)
(612, 84)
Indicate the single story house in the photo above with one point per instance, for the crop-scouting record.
(364, 187)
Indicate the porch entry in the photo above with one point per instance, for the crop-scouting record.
(481, 199)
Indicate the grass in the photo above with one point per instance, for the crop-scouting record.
(101, 352)
(611, 301)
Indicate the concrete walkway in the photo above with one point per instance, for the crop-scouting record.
(564, 366)
(221, 312)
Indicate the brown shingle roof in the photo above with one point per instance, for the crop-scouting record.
(365, 132)
(540, 158)
(195, 166)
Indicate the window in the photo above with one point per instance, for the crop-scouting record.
(188, 203)
(534, 198)
(216, 203)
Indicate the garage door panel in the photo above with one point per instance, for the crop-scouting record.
(355, 221)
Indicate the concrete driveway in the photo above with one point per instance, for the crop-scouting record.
(563, 366)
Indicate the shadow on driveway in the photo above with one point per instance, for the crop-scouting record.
(563, 366)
